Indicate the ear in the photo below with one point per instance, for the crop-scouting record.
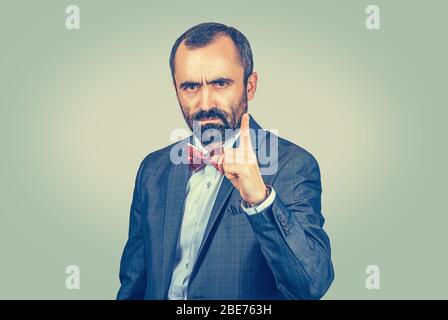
(251, 87)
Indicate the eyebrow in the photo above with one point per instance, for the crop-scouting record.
(186, 84)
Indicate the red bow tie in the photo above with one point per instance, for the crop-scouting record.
(197, 160)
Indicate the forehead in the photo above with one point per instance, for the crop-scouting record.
(217, 59)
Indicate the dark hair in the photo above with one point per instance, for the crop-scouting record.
(202, 34)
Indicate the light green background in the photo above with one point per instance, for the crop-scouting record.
(80, 110)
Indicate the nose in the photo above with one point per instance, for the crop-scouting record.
(206, 99)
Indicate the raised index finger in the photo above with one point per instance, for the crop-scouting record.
(245, 142)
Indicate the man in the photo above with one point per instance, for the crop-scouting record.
(212, 226)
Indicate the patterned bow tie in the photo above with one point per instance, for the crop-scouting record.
(197, 160)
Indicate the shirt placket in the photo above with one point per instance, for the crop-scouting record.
(208, 176)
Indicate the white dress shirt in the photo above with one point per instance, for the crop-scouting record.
(202, 190)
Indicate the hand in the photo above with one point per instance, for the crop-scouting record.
(240, 166)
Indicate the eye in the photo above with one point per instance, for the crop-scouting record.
(221, 84)
(191, 87)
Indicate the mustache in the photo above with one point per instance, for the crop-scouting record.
(211, 113)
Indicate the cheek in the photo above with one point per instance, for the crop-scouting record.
(188, 104)
(228, 98)
(234, 98)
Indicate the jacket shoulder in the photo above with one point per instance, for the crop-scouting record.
(163, 153)
(290, 152)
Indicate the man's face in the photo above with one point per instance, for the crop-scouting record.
(210, 86)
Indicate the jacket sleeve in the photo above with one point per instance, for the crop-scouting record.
(132, 267)
(290, 231)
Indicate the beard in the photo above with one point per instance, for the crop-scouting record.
(217, 132)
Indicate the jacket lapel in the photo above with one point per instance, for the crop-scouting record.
(174, 208)
(224, 192)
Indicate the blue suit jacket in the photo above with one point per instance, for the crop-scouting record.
(279, 253)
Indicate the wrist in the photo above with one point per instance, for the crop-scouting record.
(263, 195)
